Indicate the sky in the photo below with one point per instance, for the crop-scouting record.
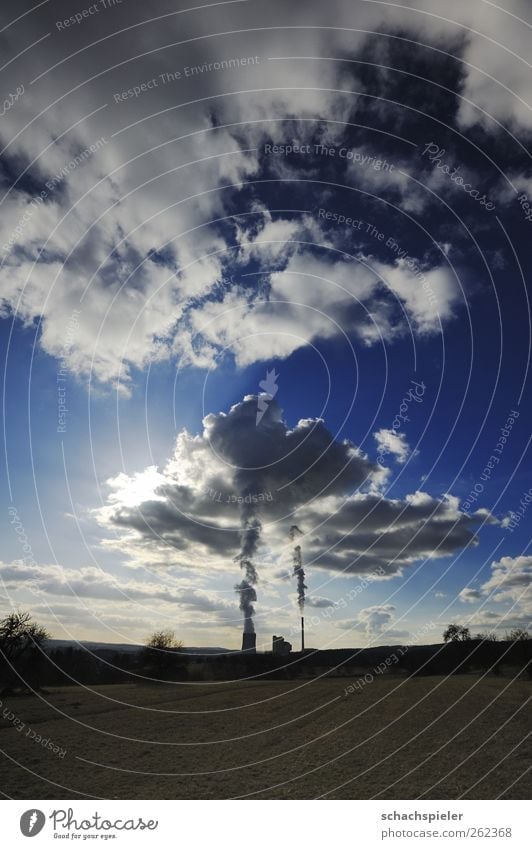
(264, 319)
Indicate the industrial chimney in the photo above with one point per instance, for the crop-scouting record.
(249, 643)
(302, 633)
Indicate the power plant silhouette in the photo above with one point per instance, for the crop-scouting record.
(279, 644)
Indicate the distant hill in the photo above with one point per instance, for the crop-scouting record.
(93, 646)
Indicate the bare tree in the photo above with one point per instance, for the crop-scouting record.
(454, 633)
(517, 635)
(160, 653)
(164, 640)
(21, 648)
(487, 637)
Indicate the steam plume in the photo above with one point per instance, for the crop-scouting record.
(249, 538)
(299, 572)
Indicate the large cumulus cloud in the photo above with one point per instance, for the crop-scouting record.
(195, 503)
(191, 512)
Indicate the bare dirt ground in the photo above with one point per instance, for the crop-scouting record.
(434, 738)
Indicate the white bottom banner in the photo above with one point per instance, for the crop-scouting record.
(257, 824)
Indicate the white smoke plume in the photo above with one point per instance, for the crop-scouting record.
(299, 572)
(246, 588)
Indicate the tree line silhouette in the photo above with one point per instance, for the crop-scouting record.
(29, 663)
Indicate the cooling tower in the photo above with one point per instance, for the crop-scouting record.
(249, 643)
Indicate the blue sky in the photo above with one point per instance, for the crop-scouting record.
(171, 266)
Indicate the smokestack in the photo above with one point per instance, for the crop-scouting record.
(299, 572)
(249, 642)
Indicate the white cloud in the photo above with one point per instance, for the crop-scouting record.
(374, 620)
(392, 442)
(377, 618)
(129, 199)
(90, 584)
(319, 602)
(468, 594)
(511, 579)
(510, 585)
(320, 298)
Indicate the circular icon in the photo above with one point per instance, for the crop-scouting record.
(32, 822)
